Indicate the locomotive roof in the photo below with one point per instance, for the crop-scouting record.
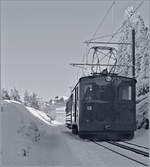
(111, 75)
(93, 76)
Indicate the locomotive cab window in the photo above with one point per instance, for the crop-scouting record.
(94, 91)
(125, 92)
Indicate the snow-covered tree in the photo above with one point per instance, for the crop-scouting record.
(14, 95)
(49, 110)
(41, 104)
(51, 101)
(26, 99)
(34, 101)
(142, 44)
(143, 87)
(142, 52)
(5, 94)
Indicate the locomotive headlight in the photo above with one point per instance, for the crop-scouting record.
(108, 78)
(89, 108)
(87, 120)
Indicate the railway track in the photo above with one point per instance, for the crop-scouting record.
(130, 148)
(132, 144)
(124, 147)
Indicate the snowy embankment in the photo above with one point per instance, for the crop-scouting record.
(22, 129)
(141, 137)
(142, 108)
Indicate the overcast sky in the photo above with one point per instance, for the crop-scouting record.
(40, 38)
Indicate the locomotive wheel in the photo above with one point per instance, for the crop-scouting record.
(74, 129)
(82, 136)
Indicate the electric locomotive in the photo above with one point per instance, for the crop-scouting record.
(103, 106)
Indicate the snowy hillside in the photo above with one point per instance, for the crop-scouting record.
(22, 129)
(142, 108)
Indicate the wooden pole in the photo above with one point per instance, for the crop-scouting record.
(133, 52)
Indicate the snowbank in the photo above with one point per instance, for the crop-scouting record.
(141, 137)
(22, 129)
(142, 108)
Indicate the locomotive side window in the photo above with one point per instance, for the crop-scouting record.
(125, 92)
(70, 103)
(88, 92)
(77, 93)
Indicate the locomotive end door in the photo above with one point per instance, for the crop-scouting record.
(126, 106)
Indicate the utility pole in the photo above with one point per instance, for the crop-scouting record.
(133, 73)
(133, 53)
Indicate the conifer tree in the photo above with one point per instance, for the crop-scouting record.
(5, 94)
(14, 95)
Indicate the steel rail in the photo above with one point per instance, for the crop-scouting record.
(139, 162)
(146, 154)
(136, 145)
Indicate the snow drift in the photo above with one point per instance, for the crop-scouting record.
(22, 129)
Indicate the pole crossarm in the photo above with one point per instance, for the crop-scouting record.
(113, 43)
(103, 48)
(86, 64)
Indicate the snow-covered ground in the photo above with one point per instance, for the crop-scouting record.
(142, 108)
(30, 138)
(60, 115)
(141, 138)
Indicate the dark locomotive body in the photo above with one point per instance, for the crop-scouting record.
(102, 106)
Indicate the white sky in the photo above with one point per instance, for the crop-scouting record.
(40, 38)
